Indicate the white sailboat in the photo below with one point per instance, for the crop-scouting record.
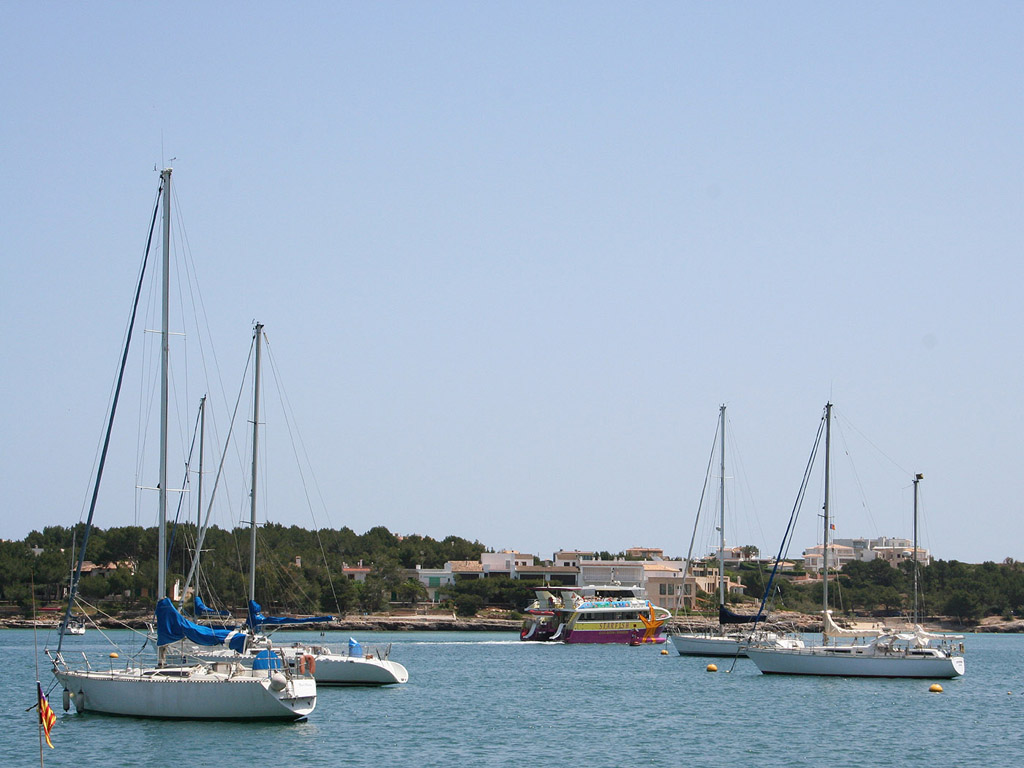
(727, 640)
(360, 666)
(219, 690)
(886, 653)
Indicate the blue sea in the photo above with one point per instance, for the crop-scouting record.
(487, 699)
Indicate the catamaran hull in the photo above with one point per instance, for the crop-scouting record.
(844, 664)
(708, 645)
(243, 698)
(626, 635)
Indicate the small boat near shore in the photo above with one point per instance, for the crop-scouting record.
(593, 614)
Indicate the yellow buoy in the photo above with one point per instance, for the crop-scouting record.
(664, 652)
(936, 688)
(712, 668)
(114, 656)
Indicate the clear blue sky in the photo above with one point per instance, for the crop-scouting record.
(513, 256)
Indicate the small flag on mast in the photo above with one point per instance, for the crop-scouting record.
(46, 716)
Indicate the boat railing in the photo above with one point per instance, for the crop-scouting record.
(376, 651)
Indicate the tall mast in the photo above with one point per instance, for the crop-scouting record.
(255, 448)
(917, 479)
(828, 458)
(161, 589)
(721, 522)
(199, 489)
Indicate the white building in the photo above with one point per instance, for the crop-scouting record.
(505, 561)
(893, 551)
(838, 556)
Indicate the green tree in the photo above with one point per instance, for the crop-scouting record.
(963, 605)
(411, 591)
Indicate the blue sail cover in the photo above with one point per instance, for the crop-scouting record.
(725, 616)
(202, 609)
(171, 627)
(257, 619)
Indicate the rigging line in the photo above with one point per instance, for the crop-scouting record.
(281, 583)
(191, 282)
(148, 388)
(203, 334)
(92, 620)
(738, 462)
(856, 478)
(289, 420)
(787, 537)
(204, 338)
(110, 426)
(700, 506)
(111, 395)
(869, 442)
(220, 465)
(185, 483)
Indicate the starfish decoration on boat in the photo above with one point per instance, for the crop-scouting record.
(652, 625)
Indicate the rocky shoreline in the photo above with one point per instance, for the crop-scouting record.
(451, 623)
(349, 624)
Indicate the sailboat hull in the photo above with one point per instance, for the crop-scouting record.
(709, 645)
(197, 694)
(854, 662)
(327, 667)
(335, 669)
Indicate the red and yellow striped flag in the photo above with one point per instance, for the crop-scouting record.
(46, 716)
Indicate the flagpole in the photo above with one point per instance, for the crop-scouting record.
(35, 654)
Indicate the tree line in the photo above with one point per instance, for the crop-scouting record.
(297, 570)
(965, 591)
(300, 571)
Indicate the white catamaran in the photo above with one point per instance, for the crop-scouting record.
(886, 653)
(217, 690)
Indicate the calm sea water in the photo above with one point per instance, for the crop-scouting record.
(487, 699)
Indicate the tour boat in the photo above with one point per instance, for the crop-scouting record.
(593, 614)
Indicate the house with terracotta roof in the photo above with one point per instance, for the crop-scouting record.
(355, 572)
(645, 553)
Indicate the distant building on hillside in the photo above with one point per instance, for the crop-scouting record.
(628, 573)
(573, 557)
(645, 553)
(505, 561)
(355, 572)
(838, 556)
(891, 550)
